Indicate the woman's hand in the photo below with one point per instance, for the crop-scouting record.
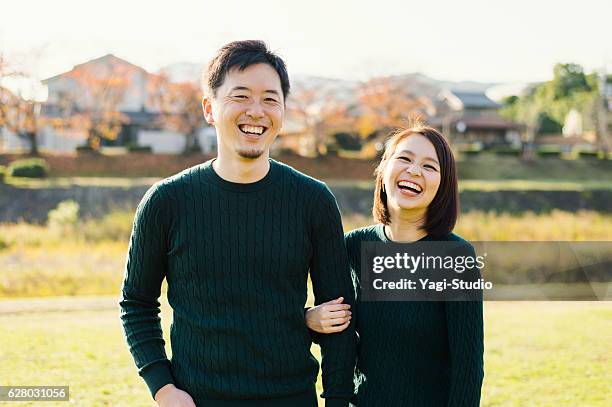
(329, 317)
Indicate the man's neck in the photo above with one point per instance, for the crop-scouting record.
(241, 170)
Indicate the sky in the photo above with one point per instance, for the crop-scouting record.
(479, 40)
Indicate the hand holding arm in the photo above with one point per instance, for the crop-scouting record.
(329, 317)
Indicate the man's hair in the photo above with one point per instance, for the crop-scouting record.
(443, 210)
(241, 55)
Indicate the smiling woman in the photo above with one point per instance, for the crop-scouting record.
(417, 353)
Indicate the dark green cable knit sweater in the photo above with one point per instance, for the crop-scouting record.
(415, 353)
(236, 258)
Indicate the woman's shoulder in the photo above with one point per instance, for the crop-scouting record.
(453, 237)
(368, 233)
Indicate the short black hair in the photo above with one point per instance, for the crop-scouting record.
(241, 55)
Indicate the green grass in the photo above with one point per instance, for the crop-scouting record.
(536, 354)
(496, 167)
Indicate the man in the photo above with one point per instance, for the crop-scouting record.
(235, 239)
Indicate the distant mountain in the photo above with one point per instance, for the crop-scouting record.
(183, 72)
(418, 83)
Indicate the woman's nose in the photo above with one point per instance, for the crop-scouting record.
(413, 169)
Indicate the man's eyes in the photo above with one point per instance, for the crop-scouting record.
(244, 97)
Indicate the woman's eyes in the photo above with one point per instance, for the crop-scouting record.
(409, 160)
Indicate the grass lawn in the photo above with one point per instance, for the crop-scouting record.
(537, 354)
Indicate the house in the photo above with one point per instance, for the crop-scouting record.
(472, 118)
(126, 87)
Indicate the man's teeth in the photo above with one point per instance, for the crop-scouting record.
(411, 185)
(252, 129)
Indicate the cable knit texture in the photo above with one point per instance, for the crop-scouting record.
(415, 353)
(237, 258)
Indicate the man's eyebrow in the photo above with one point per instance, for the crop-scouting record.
(235, 88)
(426, 158)
(239, 88)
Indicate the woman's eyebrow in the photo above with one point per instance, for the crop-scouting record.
(426, 157)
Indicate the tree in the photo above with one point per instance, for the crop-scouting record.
(180, 108)
(388, 103)
(320, 115)
(19, 115)
(94, 103)
(544, 107)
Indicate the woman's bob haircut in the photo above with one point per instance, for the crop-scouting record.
(443, 210)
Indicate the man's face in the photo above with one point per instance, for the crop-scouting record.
(247, 111)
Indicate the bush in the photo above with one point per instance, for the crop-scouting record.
(86, 149)
(470, 149)
(30, 168)
(549, 151)
(2, 173)
(139, 149)
(507, 151)
(596, 155)
(64, 218)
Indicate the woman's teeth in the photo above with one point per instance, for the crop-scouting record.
(410, 186)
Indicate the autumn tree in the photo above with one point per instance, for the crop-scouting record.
(180, 108)
(320, 115)
(93, 104)
(387, 103)
(19, 115)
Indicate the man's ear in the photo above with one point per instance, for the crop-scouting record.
(207, 109)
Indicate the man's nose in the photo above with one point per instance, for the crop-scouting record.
(255, 110)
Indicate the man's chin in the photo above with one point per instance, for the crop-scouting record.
(250, 153)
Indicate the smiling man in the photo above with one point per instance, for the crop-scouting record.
(236, 238)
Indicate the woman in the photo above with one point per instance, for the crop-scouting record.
(411, 353)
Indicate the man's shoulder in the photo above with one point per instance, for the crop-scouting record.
(167, 187)
(299, 177)
(183, 178)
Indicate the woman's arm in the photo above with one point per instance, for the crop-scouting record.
(329, 317)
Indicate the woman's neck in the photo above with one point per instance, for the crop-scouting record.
(406, 225)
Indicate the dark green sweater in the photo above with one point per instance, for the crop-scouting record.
(236, 258)
(415, 353)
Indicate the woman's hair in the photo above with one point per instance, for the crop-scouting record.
(443, 210)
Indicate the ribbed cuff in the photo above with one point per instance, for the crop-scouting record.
(157, 375)
(336, 403)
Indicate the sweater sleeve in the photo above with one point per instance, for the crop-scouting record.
(464, 320)
(331, 278)
(139, 306)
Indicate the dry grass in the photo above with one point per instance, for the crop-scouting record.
(87, 258)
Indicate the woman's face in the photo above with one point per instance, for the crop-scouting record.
(412, 174)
